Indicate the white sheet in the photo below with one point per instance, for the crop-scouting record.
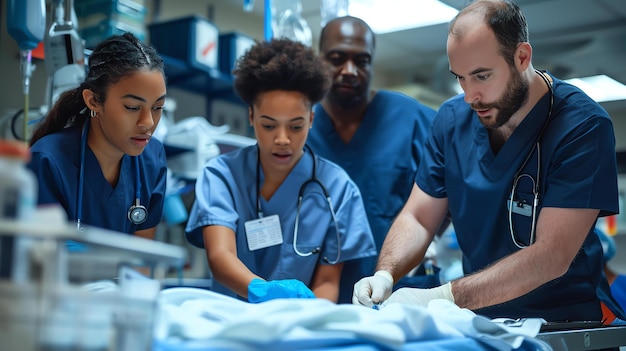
(192, 316)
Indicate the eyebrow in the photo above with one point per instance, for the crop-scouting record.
(348, 53)
(476, 71)
(295, 119)
(131, 96)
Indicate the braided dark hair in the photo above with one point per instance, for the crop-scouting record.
(280, 64)
(113, 59)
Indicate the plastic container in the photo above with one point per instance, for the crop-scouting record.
(193, 40)
(231, 47)
(92, 12)
(35, 317)
(18, 200)
(100, 19)
(96, 34)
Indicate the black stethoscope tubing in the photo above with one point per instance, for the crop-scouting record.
(312, 180)
(137, 213)
(536, 182)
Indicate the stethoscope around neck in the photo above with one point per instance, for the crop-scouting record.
(535, 182)
(312, 180)
(137, 213)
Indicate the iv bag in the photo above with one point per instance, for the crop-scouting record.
(332, 9)
(287, 22)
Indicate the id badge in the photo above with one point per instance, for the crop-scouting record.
(520, 208)
(263, 232)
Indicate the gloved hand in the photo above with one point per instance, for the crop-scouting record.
(420, 297)
(260, 290)
(372, 290)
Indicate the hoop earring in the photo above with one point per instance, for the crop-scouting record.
(92, 113)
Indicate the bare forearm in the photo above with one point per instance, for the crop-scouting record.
(560, 234)
(325, 283)
(327, 290)
(510, 278)
(146, 233)
(229, 271)
(404, 247)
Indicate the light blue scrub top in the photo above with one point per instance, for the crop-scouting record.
(382, 158)
(226, 196)
(578, 170)
(56, 163)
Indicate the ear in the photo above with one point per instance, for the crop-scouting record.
(89, 97)
(311, 119)
(523, 56)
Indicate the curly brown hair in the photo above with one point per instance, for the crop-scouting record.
(280, 64)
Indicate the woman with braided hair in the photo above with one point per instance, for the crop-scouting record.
(93, 153)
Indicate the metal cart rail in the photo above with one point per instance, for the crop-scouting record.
(585, 339)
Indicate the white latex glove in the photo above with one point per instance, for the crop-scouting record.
(420, 297)
(372, 290)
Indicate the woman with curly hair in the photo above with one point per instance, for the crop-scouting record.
(275, 220)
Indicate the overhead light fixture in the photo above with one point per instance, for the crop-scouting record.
(601, 88)
(385, 16)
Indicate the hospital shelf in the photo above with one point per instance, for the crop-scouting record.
(211, 83)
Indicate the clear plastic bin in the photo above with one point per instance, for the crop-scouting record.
(70, 318)
(45, 311)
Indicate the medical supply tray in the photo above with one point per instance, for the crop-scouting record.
(48, 311)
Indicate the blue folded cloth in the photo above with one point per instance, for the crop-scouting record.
(260, 290)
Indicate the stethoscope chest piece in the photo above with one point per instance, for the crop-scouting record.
(137, 213)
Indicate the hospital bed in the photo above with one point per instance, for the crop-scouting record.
(198, 319)
(52, 312)
(195, 319)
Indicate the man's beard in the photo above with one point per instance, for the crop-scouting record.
(346, 101)
(515, 95)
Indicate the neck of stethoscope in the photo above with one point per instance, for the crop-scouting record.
(537, 143)
(537, 181)
(81, 174)
(258, 178)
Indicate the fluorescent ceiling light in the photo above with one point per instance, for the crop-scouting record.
(385, 16)
(600, 88)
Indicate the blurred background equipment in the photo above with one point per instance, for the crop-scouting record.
(287, 22)
(100, 19)
(64, 52)
(26, 22)
(191, 142)
(59, 306)
(189, 145)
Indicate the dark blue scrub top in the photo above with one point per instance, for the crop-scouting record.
(56, 163)
(578, 170)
